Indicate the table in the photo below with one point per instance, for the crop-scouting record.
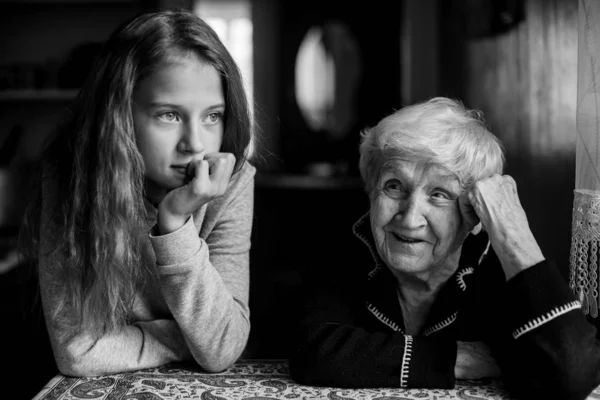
(246, 380)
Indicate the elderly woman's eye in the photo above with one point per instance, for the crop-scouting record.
(442, 195)
(392, 187)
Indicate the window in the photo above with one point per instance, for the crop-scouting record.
(232, 21)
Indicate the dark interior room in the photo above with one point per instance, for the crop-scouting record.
(318, 73)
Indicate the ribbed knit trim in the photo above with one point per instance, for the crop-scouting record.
(441, 324)
(459, 277)
(549, 316)
(363, 239)
(408, 342)
(379, 315)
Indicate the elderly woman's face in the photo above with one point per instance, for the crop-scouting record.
(416, 219)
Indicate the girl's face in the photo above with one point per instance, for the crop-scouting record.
(416, 219)
(178, 115)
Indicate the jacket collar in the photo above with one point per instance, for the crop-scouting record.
(382, 300)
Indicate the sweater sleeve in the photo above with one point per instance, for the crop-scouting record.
(144, 345)
(206, 282)
(76, 351)
(335, 350)
(545, 345)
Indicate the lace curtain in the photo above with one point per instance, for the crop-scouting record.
(585, 242)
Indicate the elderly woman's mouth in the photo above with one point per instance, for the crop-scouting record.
(407, 239)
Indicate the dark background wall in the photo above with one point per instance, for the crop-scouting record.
(525, 81)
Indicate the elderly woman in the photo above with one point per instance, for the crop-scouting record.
(423, 296)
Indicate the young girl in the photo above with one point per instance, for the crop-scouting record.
(141, 224)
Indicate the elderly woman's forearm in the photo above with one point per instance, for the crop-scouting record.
(517, 253)
(549, 349)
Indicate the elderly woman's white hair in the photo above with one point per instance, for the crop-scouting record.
(440, 131)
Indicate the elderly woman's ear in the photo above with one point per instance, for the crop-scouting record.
(469, 216)
(476, 229)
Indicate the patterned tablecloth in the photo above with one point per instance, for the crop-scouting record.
(246, 380)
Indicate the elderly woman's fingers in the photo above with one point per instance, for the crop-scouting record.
(477, 228)
(497, 204)
(493, 195)
(469, 216)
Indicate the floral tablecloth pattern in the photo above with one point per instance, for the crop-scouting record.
(246, 380)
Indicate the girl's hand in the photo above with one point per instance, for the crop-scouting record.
(209, 179)
(474, 361)
(497, 205)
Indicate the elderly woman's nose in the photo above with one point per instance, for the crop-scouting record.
(412, 212)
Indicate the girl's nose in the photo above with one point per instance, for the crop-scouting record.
(191, 140)
(412, 212)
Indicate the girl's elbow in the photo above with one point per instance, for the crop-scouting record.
(217, 362)
(67, 369)
(78, 368)
(216, 366)
(221, 359)
(72, 361)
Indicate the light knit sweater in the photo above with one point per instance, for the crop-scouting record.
(198, 305)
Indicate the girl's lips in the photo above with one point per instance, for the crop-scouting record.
(181, 169)
(186, 170)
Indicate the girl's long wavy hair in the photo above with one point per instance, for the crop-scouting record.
(98, 171)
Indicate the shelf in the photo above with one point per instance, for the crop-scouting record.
(38, 95)
(307, 182)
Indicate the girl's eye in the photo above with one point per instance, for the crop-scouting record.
(168, 117)
(214, 118)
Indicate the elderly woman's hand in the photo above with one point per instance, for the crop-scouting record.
(474, 361)
(496, 203)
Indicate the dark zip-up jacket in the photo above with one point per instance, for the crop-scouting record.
(351, 331)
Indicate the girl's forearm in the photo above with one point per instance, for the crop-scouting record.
(143, 345)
